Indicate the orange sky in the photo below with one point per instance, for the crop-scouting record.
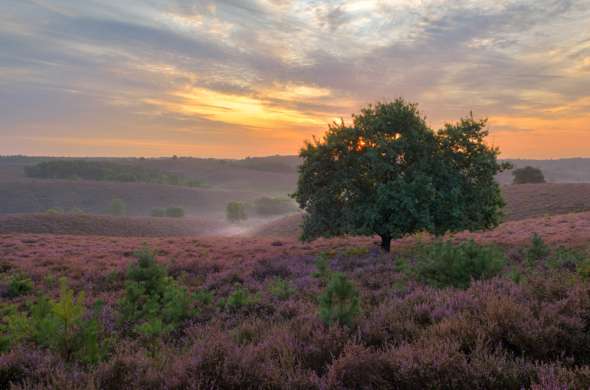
(258, 77)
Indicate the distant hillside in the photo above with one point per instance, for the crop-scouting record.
(275, 175)
(574, 170)
(29, 196)
(98, 225)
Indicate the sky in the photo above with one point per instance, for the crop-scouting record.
(237, 78)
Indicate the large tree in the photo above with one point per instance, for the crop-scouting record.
(389, 174)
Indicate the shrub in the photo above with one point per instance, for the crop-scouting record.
(76, 210)
(339, 303)
(175, 212)
(203, 297)
(118, 207)
(238, 299)
(322, 265)
(528, 174)
(154, 304)
(281, 289)
(235, 212)
(537, 251)
(61, 325)
(444, 264)
(158, 213)
(19, 285)
(55, 211)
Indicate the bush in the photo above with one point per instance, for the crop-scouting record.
(61, 325)
(528, 175)
(281, 289)
(154, 304)
(158, 213)
(118, 207)
(19, 285)
(235, 212)
(444, 264)
(238, 299)
(76, 210)
(322, 265)
(55, 211)
(537, 251)
(339, 303)
(175, 212)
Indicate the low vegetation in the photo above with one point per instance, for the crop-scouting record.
(170, 212)
(117, 208)
(441, 313)
(105, 171)
(528, 175)
(236, 212)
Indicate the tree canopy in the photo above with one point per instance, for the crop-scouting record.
(528, 174)
(389, 174)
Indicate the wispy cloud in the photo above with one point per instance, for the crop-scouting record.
(271, 73)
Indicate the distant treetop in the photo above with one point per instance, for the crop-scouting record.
(528, 174)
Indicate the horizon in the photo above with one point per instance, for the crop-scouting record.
(221, 79)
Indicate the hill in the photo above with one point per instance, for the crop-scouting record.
(34, 196)
(98, 225)
(522, 202)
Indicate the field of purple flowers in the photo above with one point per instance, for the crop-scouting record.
(112, 313)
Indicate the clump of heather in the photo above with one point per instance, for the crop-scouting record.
(439, 315)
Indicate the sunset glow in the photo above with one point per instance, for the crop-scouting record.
(258, 77)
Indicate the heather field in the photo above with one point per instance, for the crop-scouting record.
(510, 311)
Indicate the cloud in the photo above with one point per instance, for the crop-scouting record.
(215, 69)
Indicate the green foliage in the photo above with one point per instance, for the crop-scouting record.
(239, 299)
(118, 207)
(175, 212)
(153, 301)
(158, 213)
(60, 325)
(445, 264)
(266, 206)
(54, 211)
(19, 285)
(564, 257)
(356, 251)
(105, 170)
(528, 174)
(76, 210)
(281, 289)
(203, 297)
(537, 251)
(322, 265)
(235, 212)
(389, 174)
(340, 302)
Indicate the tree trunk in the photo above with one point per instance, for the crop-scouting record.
(385, 242)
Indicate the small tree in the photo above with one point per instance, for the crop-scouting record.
(528, 174)
(235, 212)
(389, 174)
(118, 207)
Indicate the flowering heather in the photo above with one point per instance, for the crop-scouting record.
(255, 315)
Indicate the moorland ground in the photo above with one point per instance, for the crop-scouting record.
(511, 317)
